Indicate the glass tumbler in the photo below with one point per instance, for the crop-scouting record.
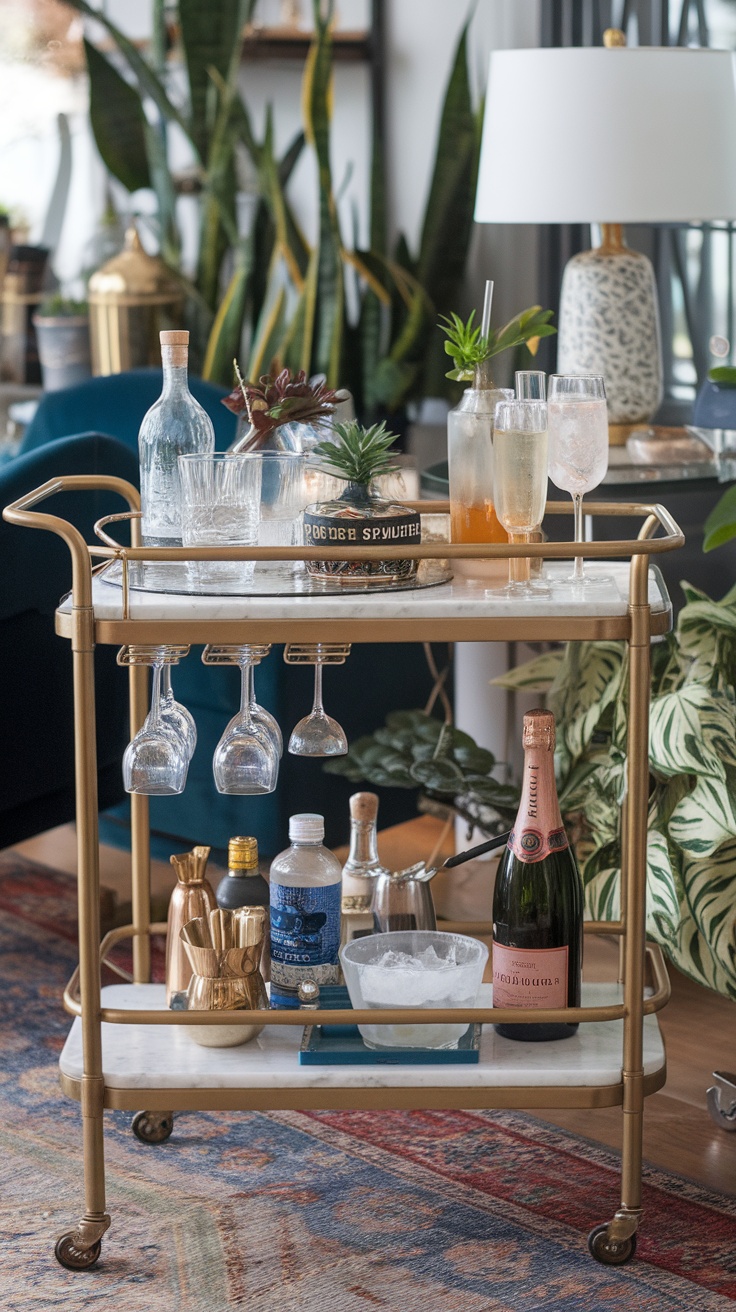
(283, 498)
(220, 507)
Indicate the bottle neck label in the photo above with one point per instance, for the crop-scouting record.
(538, 831)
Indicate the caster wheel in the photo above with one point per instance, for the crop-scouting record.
(608, 1252)
(73, 1257)
(153, 1127)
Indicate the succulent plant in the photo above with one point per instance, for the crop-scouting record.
(358, 454)
(282, 398)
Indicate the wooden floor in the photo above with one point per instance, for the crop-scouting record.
(699, 1027)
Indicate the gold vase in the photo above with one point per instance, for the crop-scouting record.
(224, 951)
(193, 896)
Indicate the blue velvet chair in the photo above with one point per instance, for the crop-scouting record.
(37, 753)
(375, 680)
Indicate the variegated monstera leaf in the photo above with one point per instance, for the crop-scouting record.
(691, 846)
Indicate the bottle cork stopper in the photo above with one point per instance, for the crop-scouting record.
(539, 729)
(175, 346)
(364, 806)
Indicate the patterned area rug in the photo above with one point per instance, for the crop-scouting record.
(321, 1212)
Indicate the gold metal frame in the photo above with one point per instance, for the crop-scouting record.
(83, 994)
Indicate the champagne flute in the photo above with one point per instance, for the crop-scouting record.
(577, 420)
(520, 480)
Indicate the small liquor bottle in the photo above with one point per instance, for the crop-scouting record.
(363, 865)
(538, 899)
(245, 886)
(305, 912)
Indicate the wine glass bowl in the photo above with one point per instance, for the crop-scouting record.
(176, 716)
(577, 419)
(317, 734)
(246, 759)
(156, 761)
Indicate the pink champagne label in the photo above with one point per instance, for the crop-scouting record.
(534, 845)
(536, 979)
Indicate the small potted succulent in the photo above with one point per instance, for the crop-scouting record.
(62, 333)
(283, 412)
(359, 516)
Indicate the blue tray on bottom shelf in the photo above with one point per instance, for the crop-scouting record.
(342, 1045)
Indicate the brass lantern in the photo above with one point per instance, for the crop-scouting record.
(131, 299)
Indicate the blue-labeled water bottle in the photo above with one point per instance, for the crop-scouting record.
(306, 887)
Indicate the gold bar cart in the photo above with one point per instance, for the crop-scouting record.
(89, 1072)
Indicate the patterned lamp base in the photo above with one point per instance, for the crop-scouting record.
(609, 324)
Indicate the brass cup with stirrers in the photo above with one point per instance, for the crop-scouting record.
(224, 950)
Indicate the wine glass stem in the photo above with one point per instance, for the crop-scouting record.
(167, 692)
(318, 708)
(577, 501)
(247, 694)
(156, 695)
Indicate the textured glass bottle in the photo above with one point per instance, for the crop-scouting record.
(470, 462)
(175, 425)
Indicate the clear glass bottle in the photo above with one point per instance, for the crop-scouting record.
(245, 886)
(175, 425)
(306, 883)
(363, 864)
(470, 461)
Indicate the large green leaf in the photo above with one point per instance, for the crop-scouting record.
(118, 121)
(535, 675)
(691, 731)
(326, 338)
(149, 84)
(710, 889)
(585, 686)
(720, 526)
(211, 34)
(706, 817)
(224, 341)
(663, 910)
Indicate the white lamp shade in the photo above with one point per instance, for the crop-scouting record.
(641, 135)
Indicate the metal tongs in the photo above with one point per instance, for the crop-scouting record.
(411, 872)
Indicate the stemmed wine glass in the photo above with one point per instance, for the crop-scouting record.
(520, 481)
(174, 715)
(577, 420)
(156, 761)
(246, 759)
(317, 734)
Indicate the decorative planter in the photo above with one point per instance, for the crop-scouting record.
(361, 518)
(63, 349)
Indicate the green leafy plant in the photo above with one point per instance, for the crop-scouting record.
(725, 374)
(720, 525)
(691, 842)
(358, 454)
(62, 307)
(283, 398)
(468, 348)
(417, 750)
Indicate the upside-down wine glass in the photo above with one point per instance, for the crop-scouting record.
(520, 481)
(246, 760)
(176, 716)
(156, 761)
(577, 420)
(317, 734)
(248, 656)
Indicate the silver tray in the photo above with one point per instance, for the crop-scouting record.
(430, 574)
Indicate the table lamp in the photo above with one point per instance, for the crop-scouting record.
(610, 135)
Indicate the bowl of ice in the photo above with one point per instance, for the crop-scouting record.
(413, 968)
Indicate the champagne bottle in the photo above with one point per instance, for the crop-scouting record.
(538, 898)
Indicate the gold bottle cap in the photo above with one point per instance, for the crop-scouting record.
(539, 729)
(242, 854)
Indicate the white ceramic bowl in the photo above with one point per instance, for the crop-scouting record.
(413, 968)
